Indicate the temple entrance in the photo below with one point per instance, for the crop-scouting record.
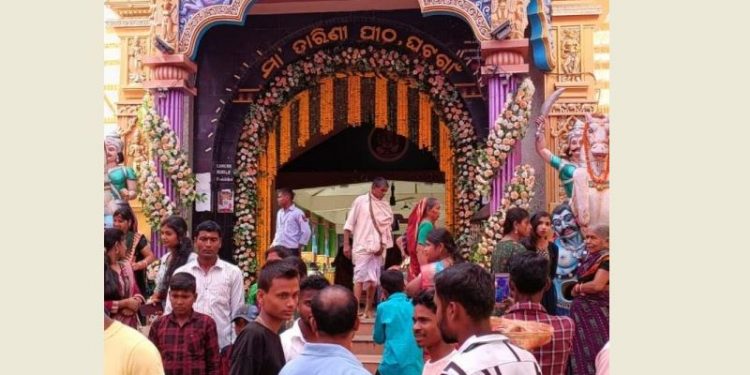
(338, 111)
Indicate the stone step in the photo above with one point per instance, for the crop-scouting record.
(370, 361)
(365, 327)
(363, 344)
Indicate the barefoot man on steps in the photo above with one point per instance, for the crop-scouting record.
(369, 221)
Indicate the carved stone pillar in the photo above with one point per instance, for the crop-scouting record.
(171, 84)
(504, 62)
(573, 28)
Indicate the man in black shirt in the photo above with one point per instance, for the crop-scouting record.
(258, 349)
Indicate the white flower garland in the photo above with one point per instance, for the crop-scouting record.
(509, 128)
(153, 196)
(166, 148)
(518, 193)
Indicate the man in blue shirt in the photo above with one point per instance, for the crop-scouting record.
(334, 321)
(292, 228)
(393, 326)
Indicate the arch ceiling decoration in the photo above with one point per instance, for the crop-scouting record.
(197, 17)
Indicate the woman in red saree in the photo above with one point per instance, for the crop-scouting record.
(421, 222)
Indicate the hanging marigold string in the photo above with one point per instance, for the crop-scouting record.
(326, 105)
(381, 102)
(261, 222)
(271, 149)
(285, 137)
(425, 121)
(446, 165)
(354, 107)
(402, 110)
(304, 118)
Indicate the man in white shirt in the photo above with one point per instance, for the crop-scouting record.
(219, 284)
(427, 334)
(292, 228)
(465, 298)
(295, 338)
(369, 221)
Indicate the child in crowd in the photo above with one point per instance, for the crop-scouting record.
(393, 327)
(186, 339)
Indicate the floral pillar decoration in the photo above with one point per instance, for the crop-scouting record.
(504, 62)
(171, 87)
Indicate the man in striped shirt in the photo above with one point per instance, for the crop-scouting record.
(465, 297)
(529, 279)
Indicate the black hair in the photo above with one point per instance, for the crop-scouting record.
(111, 237)
(536, 219)
(111, 282)
(208, 226)
(183, 282)
(469, 285)
(286, 191)
(281, 251)
(441, 236)
(379, 182)
(314, 282)
(181, 255)
(426, 298)
(392, 281)
(298, 263)
(335, 310)
(529, 271)
(393, 257)
(276, 269)
(513, 216)
(126, 213)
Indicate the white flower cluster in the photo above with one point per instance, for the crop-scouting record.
(167, 151)
(153, 196)
(510, 127)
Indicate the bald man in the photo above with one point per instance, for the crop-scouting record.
(334, 323)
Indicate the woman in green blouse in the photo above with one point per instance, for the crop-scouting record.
(517, 226)
(421, 222)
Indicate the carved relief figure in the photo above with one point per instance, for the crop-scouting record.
(518, 19)
(170, 21)
(499, 12)
(571, 51)
(136, 51)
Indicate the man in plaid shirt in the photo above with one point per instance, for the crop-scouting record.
(528, 281)
(186, 339)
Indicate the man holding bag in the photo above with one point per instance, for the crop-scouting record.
(369, 221)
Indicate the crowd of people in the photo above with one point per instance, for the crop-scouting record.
(432, 309)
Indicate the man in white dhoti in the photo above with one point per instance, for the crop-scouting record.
(370, 220)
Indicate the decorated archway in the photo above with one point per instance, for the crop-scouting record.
(197, 18)
(439, 122)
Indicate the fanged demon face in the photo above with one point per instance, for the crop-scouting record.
(564, 222)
